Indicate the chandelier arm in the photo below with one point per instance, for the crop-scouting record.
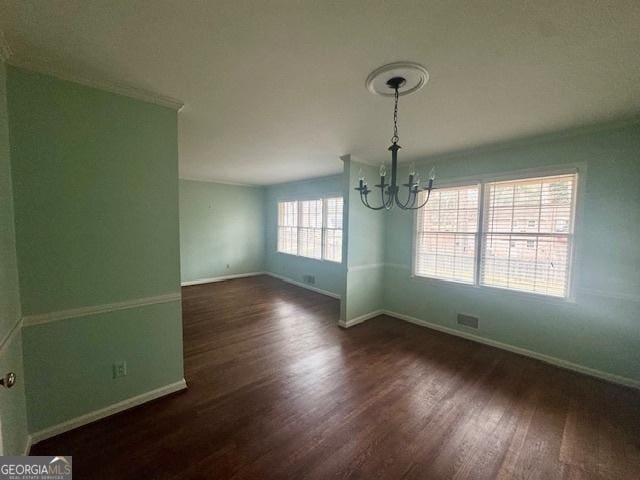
(388, 204)
(365, 202)
(384, 204)
(425, 202)
(411, 196)
(415, 196)
(403, 206)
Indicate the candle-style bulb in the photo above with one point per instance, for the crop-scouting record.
(360, 175)
(412, 170)
(383, 170)
(432, 174)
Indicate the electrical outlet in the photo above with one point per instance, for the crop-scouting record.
(227, 266)
(119, 369)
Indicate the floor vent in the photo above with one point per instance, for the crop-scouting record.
(467, 320)
(310, 279)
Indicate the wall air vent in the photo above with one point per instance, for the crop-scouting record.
(467, 320)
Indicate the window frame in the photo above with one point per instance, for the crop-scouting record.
(577, 169)
(298, 200)
(302, 228)
(477, 234)
(325, 228)
(278, 227)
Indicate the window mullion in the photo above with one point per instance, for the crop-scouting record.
(479, 233)
(299, 225)
(535, 262)
(324, 228)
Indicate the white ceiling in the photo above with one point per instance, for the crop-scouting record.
(274, 91)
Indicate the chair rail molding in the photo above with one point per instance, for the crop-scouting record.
(42, 318)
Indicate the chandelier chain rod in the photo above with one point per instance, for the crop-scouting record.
(395, 138)
(391, 190)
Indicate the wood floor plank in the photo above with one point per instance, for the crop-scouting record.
(278, 390)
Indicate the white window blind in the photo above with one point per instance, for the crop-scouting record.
(311, 228)
(310, 231)
(447, 229)
(288, 227)
(528, 234)
(523, 242)
(333, 229)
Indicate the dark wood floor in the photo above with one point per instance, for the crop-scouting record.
(278, 390)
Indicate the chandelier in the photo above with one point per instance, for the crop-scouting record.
(402, 78)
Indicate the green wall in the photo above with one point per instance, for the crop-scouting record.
(601, 329)
(69, 362)
(221, 230)
(96, 213)
(9, 293)
(365, 245)
(13, 416)
(95, 187)
(330, 276)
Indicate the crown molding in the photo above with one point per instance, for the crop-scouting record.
(305, 180)
(46, 68)
(221, 182)
(524, 141)
(353, 158)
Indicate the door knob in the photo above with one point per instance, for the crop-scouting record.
(9, 380)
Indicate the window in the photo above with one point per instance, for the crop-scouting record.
(311, 228)
(288, 227)
(528, 232)
(446, 235)
(333, 230)
(523, 241)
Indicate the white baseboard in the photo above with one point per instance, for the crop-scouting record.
(360, 319)
(610, 377)
(253, 274)
(107, 411)
(304, 285)
(200, 281)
